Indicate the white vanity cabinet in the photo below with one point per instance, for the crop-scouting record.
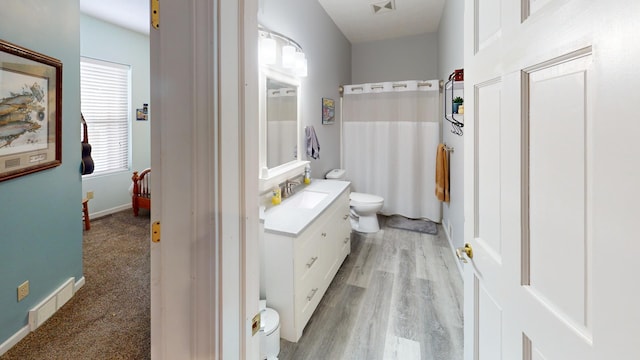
(299, 268)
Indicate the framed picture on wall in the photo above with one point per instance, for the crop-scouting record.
(328, 111)
(30, 111)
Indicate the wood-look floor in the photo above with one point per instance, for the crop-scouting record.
(398, 295)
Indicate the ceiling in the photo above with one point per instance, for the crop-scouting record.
(370, 20)
(359, 20)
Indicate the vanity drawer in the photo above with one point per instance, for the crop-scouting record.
(309, 292)
(308, 260)
(308, 256)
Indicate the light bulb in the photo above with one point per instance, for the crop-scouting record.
(267, 51)
(301, 65)
(288, 57)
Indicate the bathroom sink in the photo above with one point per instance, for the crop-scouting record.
(306, 199)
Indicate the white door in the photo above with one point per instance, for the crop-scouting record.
(205, 180)
(552, 146)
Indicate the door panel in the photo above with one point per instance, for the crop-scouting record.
(487, 239)
(532, 6)
(556, 186)
(488, 22)
(490, 325)
(529, 351)
(488, 99)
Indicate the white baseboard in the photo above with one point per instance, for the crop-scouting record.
(5, 346)
(99, 214)
(51, 304)
(59, 297)
(445, 227)
(78, 284)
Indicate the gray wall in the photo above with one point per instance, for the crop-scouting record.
(407, 58)
(105, 41)
(40, 221)
(451, 57)
(329, 61)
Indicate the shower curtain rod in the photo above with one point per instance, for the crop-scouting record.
(410, 85)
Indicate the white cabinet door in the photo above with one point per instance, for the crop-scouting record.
(337, 235)
(551, 199)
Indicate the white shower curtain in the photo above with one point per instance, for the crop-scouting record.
(391, 133)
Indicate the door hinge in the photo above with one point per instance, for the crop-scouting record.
(155, 14)
(155, 232)
(255, 324)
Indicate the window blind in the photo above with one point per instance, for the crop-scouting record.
(105, 103)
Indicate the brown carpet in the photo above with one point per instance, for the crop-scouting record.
(108, 318)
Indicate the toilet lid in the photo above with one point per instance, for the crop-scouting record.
(269, 320)
(336, 174)
(362, 198)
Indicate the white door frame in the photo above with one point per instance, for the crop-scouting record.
(204, 160)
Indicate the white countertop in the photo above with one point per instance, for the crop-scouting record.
(291, 220)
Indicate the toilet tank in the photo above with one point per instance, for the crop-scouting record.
(336, 174)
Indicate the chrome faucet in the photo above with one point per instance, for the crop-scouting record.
(288, 187)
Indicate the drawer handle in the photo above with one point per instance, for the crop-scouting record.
(313, 260)
(324, 234)
(345, 217)
(312, 294)
(346, 240)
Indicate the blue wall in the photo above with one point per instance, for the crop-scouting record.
(108, 42)
(40, 219)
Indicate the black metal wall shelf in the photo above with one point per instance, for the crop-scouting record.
(457, 122)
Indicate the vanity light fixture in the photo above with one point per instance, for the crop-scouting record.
(291, 54)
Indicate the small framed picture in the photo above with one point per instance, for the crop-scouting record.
(30, 111)
(141, 114)
(328, 111)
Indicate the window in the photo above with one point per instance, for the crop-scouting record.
(105, 104)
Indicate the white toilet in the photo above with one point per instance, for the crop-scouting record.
(269, 332)
(364, 207)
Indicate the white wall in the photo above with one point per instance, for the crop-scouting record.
(451, 57)
(329, 61)
(105, 41)
(407, 58)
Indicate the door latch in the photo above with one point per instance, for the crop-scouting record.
(466, 250)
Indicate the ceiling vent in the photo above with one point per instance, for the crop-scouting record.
(383, 7)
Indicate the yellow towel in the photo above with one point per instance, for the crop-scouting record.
(442, 174)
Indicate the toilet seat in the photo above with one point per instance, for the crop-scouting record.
(269, 321)
(359, 199)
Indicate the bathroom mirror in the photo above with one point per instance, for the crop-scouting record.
(281, 110)
(279, 127)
